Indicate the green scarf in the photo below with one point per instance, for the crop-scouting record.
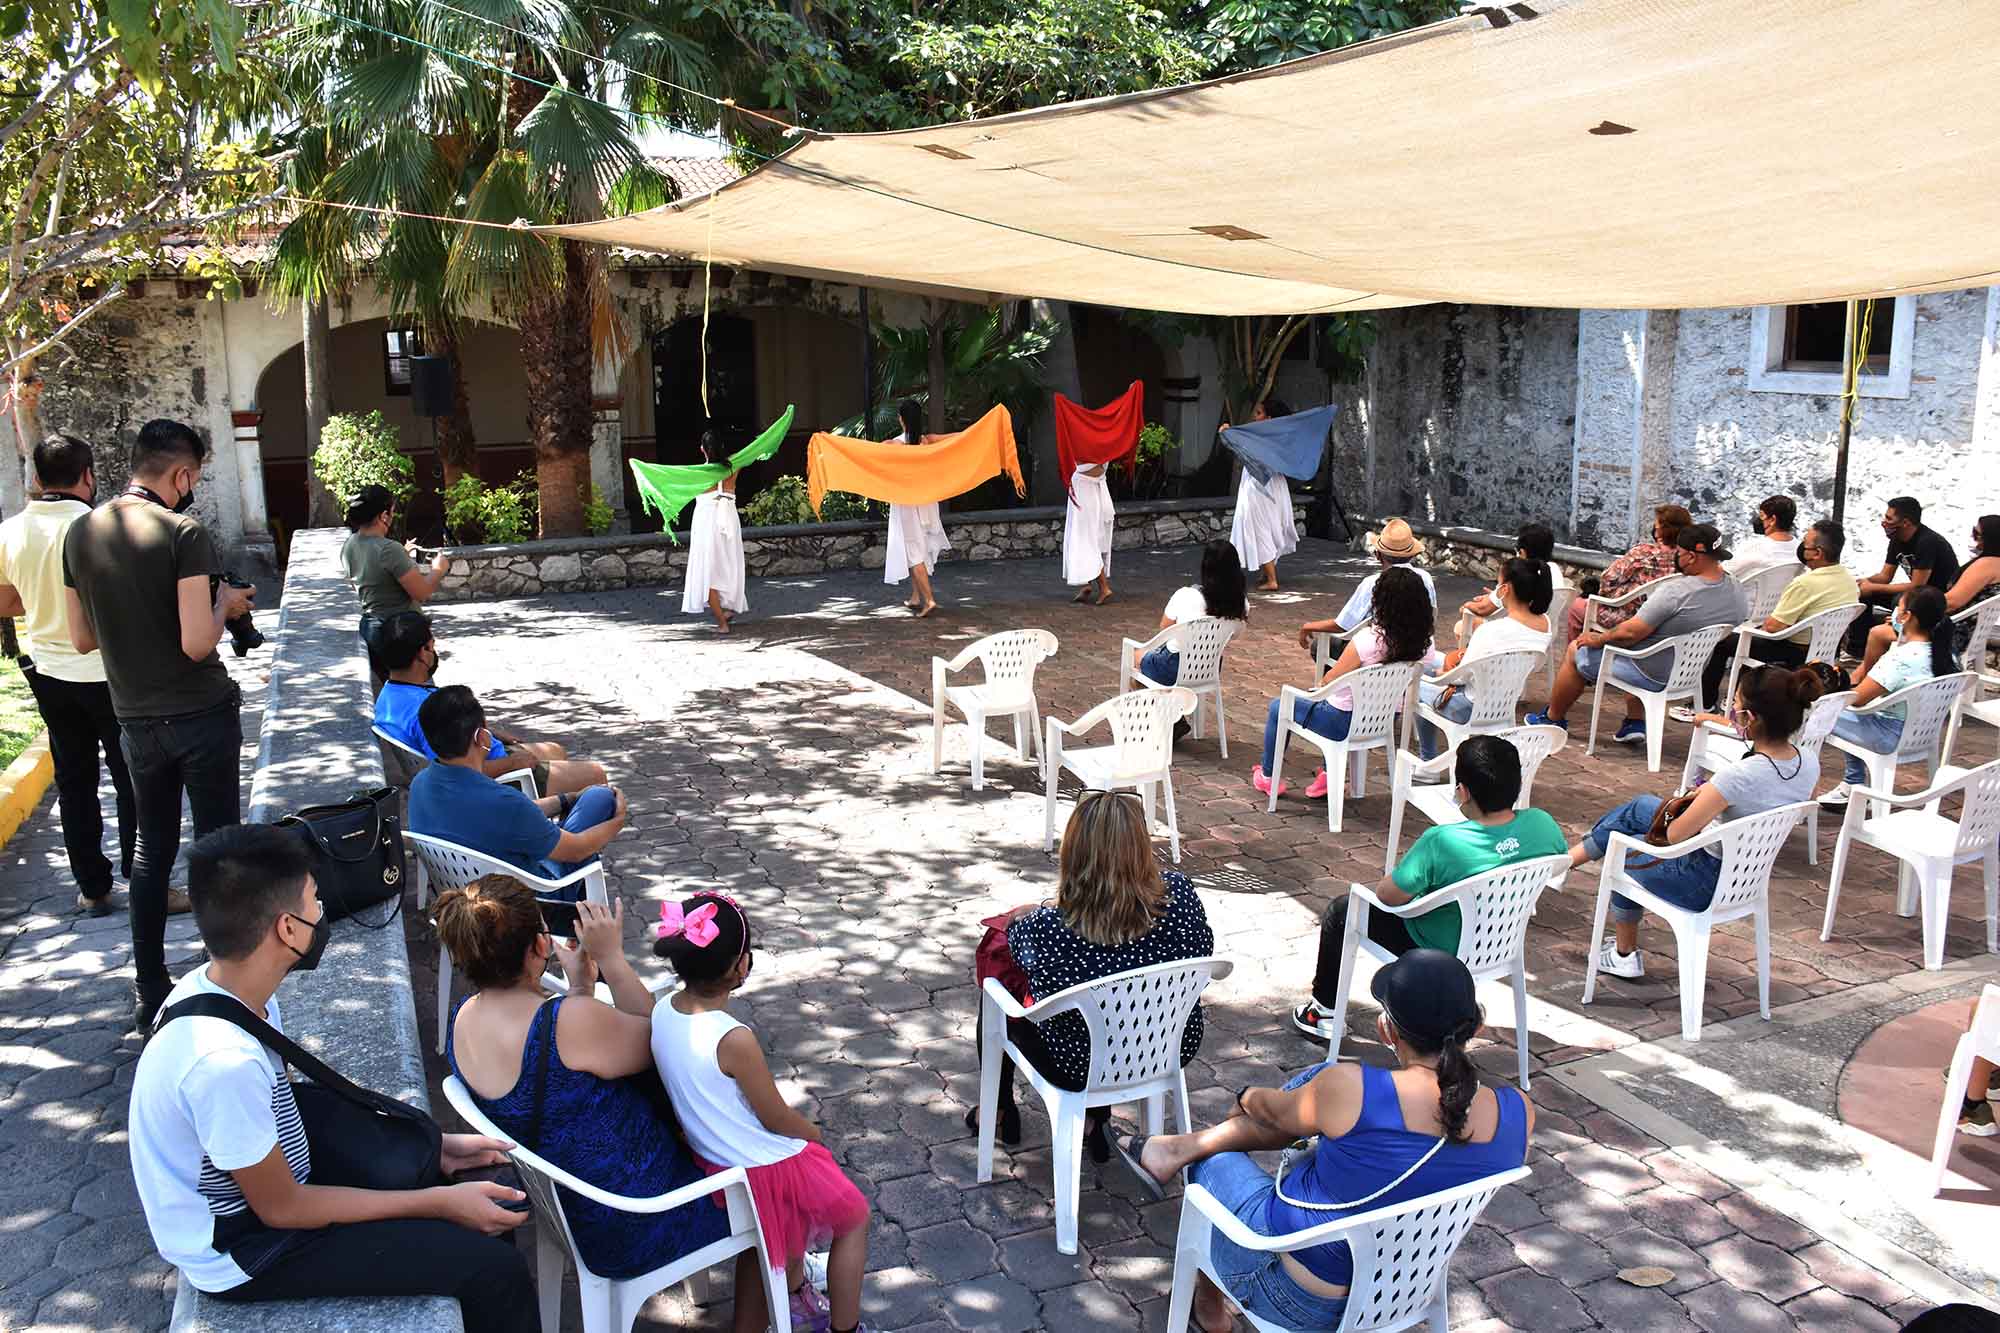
(667, 490)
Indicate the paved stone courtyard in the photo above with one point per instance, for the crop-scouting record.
(788, 762)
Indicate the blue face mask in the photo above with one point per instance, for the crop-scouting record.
(1897, 620)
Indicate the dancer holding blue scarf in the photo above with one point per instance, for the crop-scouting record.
(1276, 446)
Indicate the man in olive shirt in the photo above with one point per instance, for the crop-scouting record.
(140, 578)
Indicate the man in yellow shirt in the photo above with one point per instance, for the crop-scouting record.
(1826, 584)
(69, 687)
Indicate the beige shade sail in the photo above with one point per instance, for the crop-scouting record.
(1576, 153)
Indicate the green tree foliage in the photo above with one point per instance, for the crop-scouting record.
(474, 511)
(358, 450)
(785, 502)
(1249, 34)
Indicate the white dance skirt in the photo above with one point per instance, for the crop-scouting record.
(916, 537)
(715, 554)
(1263, 529)
(1087, 529)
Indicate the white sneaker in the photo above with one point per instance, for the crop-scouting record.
(1838, 796)
(1631, 966)
(1681, 713)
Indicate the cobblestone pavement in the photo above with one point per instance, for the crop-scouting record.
(788, 762)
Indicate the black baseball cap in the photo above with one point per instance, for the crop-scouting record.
(1703, 539)
(1428, 994)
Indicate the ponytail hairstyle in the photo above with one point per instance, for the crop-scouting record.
(1402, 611)
(1529, 578)
(910, 414)
(1831, 678)
(1457, 1076)
(1778, 698)
(711, 447)
(702, 937)
(1223, 585)
(366, 505)
(1926, 606)
(488, 927)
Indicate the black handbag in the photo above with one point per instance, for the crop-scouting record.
(357, 852)
(358, 1137)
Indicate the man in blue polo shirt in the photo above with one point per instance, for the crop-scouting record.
(455, 800)
(403, 650)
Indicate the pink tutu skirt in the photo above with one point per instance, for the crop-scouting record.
(803, 1202)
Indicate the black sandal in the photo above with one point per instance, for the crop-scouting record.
(1131, 1149)
(1008, 1131)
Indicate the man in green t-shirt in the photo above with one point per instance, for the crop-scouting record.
(1494, 834)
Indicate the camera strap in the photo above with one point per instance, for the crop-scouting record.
(146, 492)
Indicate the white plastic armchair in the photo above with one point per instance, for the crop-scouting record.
(1494, 684)
(1559, 603)
(417, 762)
(1929, 845)
(1713, 745)
(1380, 693)
(1982, 1041)
(1747, 848)
(1824, 631)
(1690, 651)
(1009, 659)
(1985, 618)
(1136, 1020)
(1438, 801)
(1140, 756)
(612, 1305)
(1596, 602)
(446, 865)
(1762, 590)
(1928, 707)
(1202, 641)
(1494, 909)
(1402, 1254)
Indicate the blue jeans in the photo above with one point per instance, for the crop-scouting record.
(1430, 741)
(1685, 881)
(1871, 731)
(1162, 666)
(1322, 718)
(593, 806)
(1254, 1279)
(1624, 669)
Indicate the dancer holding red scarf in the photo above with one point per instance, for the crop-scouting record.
(1087, 442)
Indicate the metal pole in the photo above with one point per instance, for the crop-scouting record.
(1848, 378)
(867, 370)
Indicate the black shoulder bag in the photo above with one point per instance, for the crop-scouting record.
(357, 853)
(358, 1137)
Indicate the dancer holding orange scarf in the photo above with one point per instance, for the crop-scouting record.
(1088, 442)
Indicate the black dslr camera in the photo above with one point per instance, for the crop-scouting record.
(243, 632)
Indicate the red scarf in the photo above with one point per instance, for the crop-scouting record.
(1108, 434)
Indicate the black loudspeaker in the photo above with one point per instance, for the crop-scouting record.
(430, 386)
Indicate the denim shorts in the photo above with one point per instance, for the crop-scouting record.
(1256, 1279)
(1624, 669)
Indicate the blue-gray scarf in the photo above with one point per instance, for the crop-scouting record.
(1289, 445)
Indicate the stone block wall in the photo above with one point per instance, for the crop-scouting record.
(1479, 553)
(595, 564)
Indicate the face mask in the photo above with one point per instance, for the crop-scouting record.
(1898, 619)
(432, 670)
(1756, 522)
(186, 502)
(1679, 566)
(322, 931)
(1800, 552)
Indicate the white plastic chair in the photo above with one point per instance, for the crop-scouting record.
(1494, 909)
(1494, 683)
(1928, 707)
(1380, 692)
(1140, 756)
(1690, 651)
(1930, 845)
(1560, 601)
(1825, 630)
(1762, 590)
(612, 1305)
(1705, 756)
(446, 865)
(1402, 1254)
(1438, 802)
(1597, 603)
(1749, 847)
(1985, 617)
(524, 778)
(1983, 1041)
(1009, 659)
(1135, 1020)
(1202, 641)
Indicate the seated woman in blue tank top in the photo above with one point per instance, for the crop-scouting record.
(1384, 1137)
(511, 1045)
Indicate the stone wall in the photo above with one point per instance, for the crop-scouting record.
(1478, 553)
(592, 564)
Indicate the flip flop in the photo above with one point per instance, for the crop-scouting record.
(1083, 594)
(1130, 1148)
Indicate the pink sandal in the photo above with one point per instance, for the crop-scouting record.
(1262, 782)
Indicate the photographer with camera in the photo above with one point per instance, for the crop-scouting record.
(68, 686)
(384, 574)
(144, 586)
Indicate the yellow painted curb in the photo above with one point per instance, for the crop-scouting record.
(23, 785)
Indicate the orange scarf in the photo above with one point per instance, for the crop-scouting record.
(915, 474)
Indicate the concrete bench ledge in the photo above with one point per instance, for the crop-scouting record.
(355, 1011)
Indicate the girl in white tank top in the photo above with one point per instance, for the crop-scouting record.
(733, 1114)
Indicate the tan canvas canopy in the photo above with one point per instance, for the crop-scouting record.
(1590, 153)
